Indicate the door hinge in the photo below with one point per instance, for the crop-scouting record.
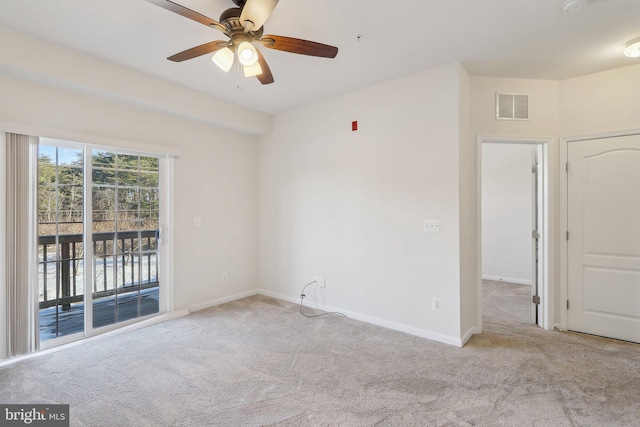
(535, 168)
(567, 304)
(567, 167)
(536, 299)
(535, 234)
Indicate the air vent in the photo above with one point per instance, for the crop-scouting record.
(511, 106)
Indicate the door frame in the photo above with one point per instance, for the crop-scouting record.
(564, 215)
(546, 293)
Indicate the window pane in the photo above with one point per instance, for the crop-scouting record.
(149, 179)
(70, 157)
(70, 175)
(104, 168)
(149, 164)
(104, 176)
(70, 208)
(149, 204)
(47, 210)
(127, 178)
(104, 204)
(103, 159)
(128, 162)
(47, 165)
(127, 203)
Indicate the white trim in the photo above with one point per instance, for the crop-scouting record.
(166, 232)
(143, 324)
(613, 134)
(87, 236)
(507, 279)
(479, 306)
(224, 300)
(467, 335)
(423, 333)
(3, 246)
(564, 244)
(547, 288)
(87, 138)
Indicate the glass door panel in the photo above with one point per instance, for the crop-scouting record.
(60, 241)
(125, 224)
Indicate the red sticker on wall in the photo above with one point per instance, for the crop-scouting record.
(354, 125)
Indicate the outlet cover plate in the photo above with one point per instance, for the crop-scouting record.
(431, 225)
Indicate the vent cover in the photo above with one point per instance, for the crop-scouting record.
(511, 106)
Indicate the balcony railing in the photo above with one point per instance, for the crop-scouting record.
(130, 246)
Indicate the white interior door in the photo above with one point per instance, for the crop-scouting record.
(604, 237)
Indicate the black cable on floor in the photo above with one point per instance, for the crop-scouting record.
(302, 295)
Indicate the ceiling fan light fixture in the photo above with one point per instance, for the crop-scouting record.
(256, 12)
(247, 54)
(633, 49)
(224, 59)
(252, 70)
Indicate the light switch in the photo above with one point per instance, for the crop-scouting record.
(197, 222)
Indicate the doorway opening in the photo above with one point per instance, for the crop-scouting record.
(513, 225)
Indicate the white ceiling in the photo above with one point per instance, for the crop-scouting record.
(502, 38)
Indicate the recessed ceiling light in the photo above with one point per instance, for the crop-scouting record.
(569, 6)
(633, 49)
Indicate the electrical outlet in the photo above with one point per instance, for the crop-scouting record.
(321, 282)
(431, 225)
(224, 277)
(436, 304)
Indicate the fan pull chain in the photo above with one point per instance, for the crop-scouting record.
(239, 87)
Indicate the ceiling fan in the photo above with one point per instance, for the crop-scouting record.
(244, 26)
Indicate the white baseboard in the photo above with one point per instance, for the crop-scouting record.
(467, 336)
(224, 300)
(289, 299)
(507, 279)
(423, 333)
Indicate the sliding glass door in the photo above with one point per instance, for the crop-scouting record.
(98, 239)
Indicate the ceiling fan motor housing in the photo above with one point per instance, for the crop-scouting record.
(230, 18)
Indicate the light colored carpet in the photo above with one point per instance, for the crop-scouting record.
(507, 301)
(256, 361)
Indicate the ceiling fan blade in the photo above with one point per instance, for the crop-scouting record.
(303, 47)
(188, 13)
(194, 52)
(266, 77)
(257, 12)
